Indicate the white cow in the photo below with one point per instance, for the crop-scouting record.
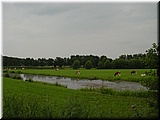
(143, 75)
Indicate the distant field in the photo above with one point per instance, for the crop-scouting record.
(35, 100)
(106, 74)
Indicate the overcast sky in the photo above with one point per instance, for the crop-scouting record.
(49, 30)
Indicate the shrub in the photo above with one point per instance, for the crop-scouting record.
(29, 80)
(12, 72)
(5, 71)
(17, 77)
(19, 72)
(6, 75)
(151, 83)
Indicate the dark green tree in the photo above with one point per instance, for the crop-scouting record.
(88, 64)
(59, 62)
(152, 56)
(119, 64)
(100, 65)
(50, 62)
(27, 62)
(76, 64)
(107, 64)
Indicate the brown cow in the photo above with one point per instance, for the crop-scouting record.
(134, 71)
(117, 73)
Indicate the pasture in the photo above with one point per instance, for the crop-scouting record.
(37, 100)
(103, 74)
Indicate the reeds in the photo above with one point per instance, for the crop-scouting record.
(140, 93)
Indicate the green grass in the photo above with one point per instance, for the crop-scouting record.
(106, 74)
(36, 100)
(140, 93)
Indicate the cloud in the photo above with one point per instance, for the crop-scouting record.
(62, 29)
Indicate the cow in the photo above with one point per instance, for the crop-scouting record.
(23, 68)
(143, 75)
(133, 72)
(56, 69)
(117, 73)
(78, 72)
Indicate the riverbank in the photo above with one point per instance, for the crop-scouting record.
(31, 100)
(75, 83)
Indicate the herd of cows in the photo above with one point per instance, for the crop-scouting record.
(116, 73)
(119, 73)
(78, 72)
(132, 72)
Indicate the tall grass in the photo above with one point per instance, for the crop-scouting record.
(32, 100)
(140, 93)
(21, 107)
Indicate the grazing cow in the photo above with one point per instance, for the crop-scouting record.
(134, 71)
(117, 73)
(23, 68)
(56, 69)
(78, 72)
(143, 75)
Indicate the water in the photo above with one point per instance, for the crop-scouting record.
(74, 83)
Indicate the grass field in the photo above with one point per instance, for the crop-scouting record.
(36, 100)
(106, 74)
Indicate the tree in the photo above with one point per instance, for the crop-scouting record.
(27, 62)
(103, 58)
(152, 56)
(122, 57)
(59, 62)
(76, 64)
(107, 64)
(119, 63)
(50, 62)
(100, 65)
(88, 64)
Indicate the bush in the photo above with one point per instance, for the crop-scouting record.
(19, 72)
(6, 75)
(4, 71)
(151, 83)
(29, 80)
(17, 77)
(12, 72)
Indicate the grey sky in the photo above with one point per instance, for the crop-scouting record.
(63, 29)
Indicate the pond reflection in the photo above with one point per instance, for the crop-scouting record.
(77, 84)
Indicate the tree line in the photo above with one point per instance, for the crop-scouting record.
(135, 61)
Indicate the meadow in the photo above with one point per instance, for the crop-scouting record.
(103, 74)
(37, 100)
(22, 99)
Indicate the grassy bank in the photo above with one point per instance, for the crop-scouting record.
(36, 100)
(106, 74)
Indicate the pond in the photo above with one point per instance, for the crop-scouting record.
(74, 83)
